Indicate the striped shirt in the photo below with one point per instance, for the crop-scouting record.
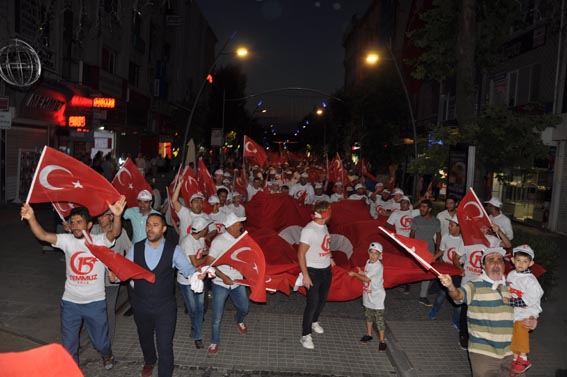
(490, 320)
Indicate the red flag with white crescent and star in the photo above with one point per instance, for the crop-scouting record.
(254, 150)
(190, 185)
(337, 171)
(61, 178)
(472, 218)
(129, 182)
(205, 179)
(246, 256)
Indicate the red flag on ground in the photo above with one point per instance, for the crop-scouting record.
(51, 360)
(246, 256)
(254, 150)
(190, 185)
(205, 179)
(416, 248)
(129, 182)
(124, 268)
(61, 178)
(472, 218)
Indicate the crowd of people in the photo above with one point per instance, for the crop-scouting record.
(179, 240)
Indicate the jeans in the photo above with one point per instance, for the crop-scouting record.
(94, 315)
(240, 301)
(440, 299)
(195, 303)
(316, 296)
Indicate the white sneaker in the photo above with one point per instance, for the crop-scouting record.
(307, 342)
(315, 326)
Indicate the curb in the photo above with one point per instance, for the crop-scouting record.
(398, 357)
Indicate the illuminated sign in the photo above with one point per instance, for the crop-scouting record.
(104, 103)
(77, 121)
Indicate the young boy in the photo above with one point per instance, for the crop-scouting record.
(526, 297)
(373, 293)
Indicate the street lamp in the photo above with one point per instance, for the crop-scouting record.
(371, 59)
(241, 52)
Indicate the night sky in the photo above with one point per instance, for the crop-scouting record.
(292, 43)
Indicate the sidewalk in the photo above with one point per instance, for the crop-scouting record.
(31, 285)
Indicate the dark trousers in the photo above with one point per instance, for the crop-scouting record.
(159, 320)
(464, 331)
(316, 296)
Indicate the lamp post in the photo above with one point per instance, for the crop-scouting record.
(240, 52)
(373, 58)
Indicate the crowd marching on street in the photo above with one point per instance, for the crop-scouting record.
(180, 234)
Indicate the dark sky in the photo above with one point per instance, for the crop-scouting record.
(292, 43)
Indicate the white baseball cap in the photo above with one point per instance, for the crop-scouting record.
(493, 250)
(213, 199)
(338, 183)
(199, 224)
(226, 174)
(219, 171)
(226, 181)
(318, 185)
(495, 202)
(405, 198)
(379, 184)
(144, 195)
(304, 175)
(398, 191)
(454, 219)
(524, 249)
(376, 246)
(232, 219)
(359, 186)
(197, 195)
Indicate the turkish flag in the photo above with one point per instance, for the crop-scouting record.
(472, 217)
(190, 185)
(416, 248)
(337, 172)
(129, 182)
(254, 150)
(240, 184)
(205, 179)
(124, 268)
(64, 209)
(51, 360)
(275, 211)
(246, 256)
(61, 178)
(363, 166)
(169, 190)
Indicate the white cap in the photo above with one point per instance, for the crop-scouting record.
(318, 185)
(386, 191)
(226, 181)
(227, 174)
(213, 199)
(144, 195)
(379, 184)
(359, 186)
(199, 224)
(493, 250)
(197, 195)
(495, 202)
(376, 246)
(404, 198)
(232, 219)
(277, 182)
(235, 194)
(304, 175)
(398, 191)
(524, 249)
(454, 219)
(338, 183)
(219, 171)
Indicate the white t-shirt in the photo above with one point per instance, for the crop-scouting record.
(450, 244)
(526, 287)
(190, 246)
(505, 225)
(320, 198)
(401, 220)
(218, 219)
(298, 190)
(252, 191)
(317, 237)
(373, 293)
(335, 197)
(84, 272)
(472, 256)
(239, 211)
(444, 218)
(218, 246)
(382, 207)
(186, 217)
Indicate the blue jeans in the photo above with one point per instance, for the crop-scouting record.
(440, 299)
(239, 300)
(195, 303)
(94, 315)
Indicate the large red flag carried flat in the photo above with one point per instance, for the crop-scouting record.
(416, 248)
(246, 256)
(472, 218)
(205, 179)
(254, 150)
(129, 182)
(122, 267)
(61, 178)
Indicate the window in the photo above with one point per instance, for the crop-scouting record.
(134, 74)
(108, 60)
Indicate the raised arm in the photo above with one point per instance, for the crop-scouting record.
(27, 213)
(116, 209)
(175, 196)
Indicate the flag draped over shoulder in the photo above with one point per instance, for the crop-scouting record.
(129, 182)
(124, 268)
(254, 150)
(472, 218)
(246, 256)
(61, 178)
(205, 180)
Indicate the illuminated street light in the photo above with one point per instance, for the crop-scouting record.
(241, 52)
(372, 58)
(319, 112)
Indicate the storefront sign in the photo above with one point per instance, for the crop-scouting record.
(77, 121)
(461, 169)
(104, 103)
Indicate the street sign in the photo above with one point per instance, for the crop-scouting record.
(216, 137)
(5, 120)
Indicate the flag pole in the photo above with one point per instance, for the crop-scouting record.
(35, 174)
(411, 251)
